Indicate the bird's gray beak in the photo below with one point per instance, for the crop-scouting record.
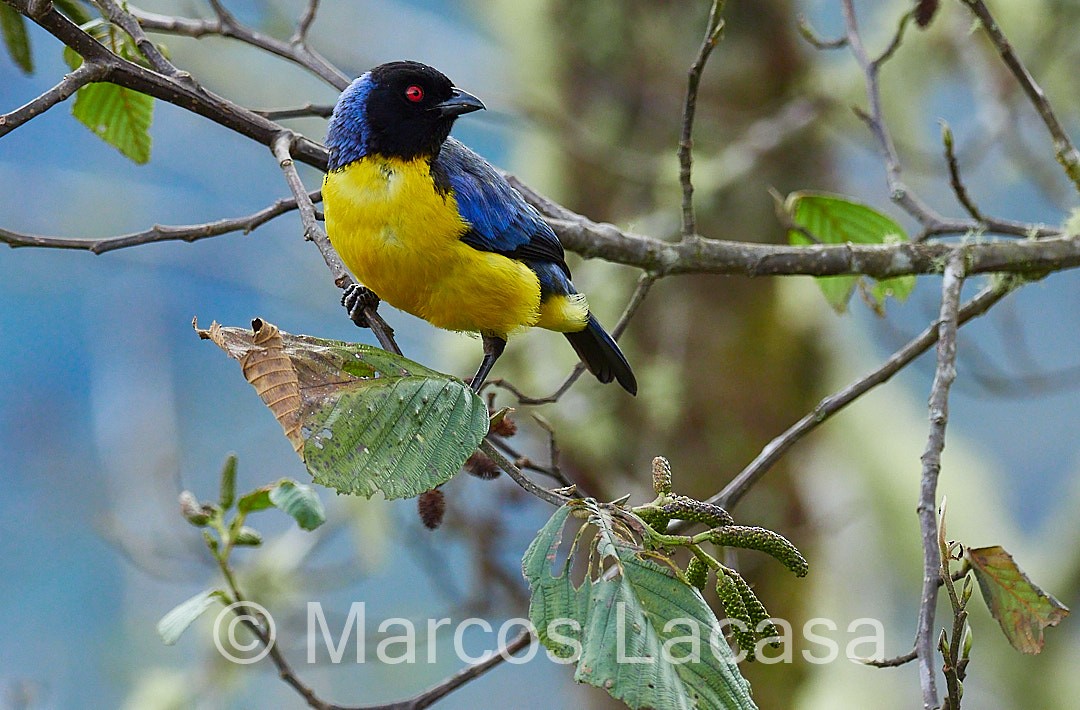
(459, 102)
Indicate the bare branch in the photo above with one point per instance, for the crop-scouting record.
(944, 376)
(739, 486)
(87, 73)
(304, 24)
(894, 662)
(125, 21)
(305, 111)
(817, 41)
(686, 143)
(900, 193)
(157, 233)
(520, 478)
(281, 147)
(948, 323)
(1064, 149)
(226, 25)
(954, 174)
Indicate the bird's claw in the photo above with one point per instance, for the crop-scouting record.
(357, 299)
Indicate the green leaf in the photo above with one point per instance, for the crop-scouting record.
(17, 40)
(121, 117)
(834, 219)
(1020, 607)
(300, 502)
(173, 624)
(619, 623)
(362, 419)
(258, 499)
(74, 10)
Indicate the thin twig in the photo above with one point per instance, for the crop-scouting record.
(157, 233)
(127, 22)
(713, 30)
(466, 674)
(520, 478)
(306, 111)
(957, 183)
(226, 25)
(817, 41)
(900, 193)
(645, 282)
(1064, 149)
(87, 73)
(304, 24)
(739, 486)
(281, 147)
(893, 662)
(524, 462)
(948, 323)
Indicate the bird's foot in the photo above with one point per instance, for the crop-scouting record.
(357, 299)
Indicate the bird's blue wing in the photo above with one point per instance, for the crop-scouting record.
(499, 217)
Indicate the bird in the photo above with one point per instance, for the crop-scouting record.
(430, 227)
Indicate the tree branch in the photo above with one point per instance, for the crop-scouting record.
(157, 233)
(313, 232)
(686, 143)
(88, 72)
(739, 486)
(948, 323)
(226, 25)
(1064, 149)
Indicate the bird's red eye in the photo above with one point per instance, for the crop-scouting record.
(415, 94)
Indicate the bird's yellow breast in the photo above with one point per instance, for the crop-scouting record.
(401, 238)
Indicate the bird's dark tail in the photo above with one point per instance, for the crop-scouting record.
(602, 356)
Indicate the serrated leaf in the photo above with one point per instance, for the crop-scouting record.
(620, 624)
(181, 616)
(363, 420)
(300, 502)
(13, 26)
(835, 219)
(119, 116)
(1020, 607)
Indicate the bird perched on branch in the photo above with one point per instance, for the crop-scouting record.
(433, 229)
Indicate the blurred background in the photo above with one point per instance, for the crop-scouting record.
(110, 404)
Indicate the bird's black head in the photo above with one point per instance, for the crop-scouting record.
(401, 109)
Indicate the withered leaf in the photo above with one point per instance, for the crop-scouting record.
(362, 419)
(1020, 607)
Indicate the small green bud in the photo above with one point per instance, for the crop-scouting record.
(965, 593)
(193, 511)
(210, 541)
(969, 638)
(228, 482)
(943, 643)
(247, 537)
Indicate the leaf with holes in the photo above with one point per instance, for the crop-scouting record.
(834, 219)
(1020, 607)
(363, 420)
(631, 632)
